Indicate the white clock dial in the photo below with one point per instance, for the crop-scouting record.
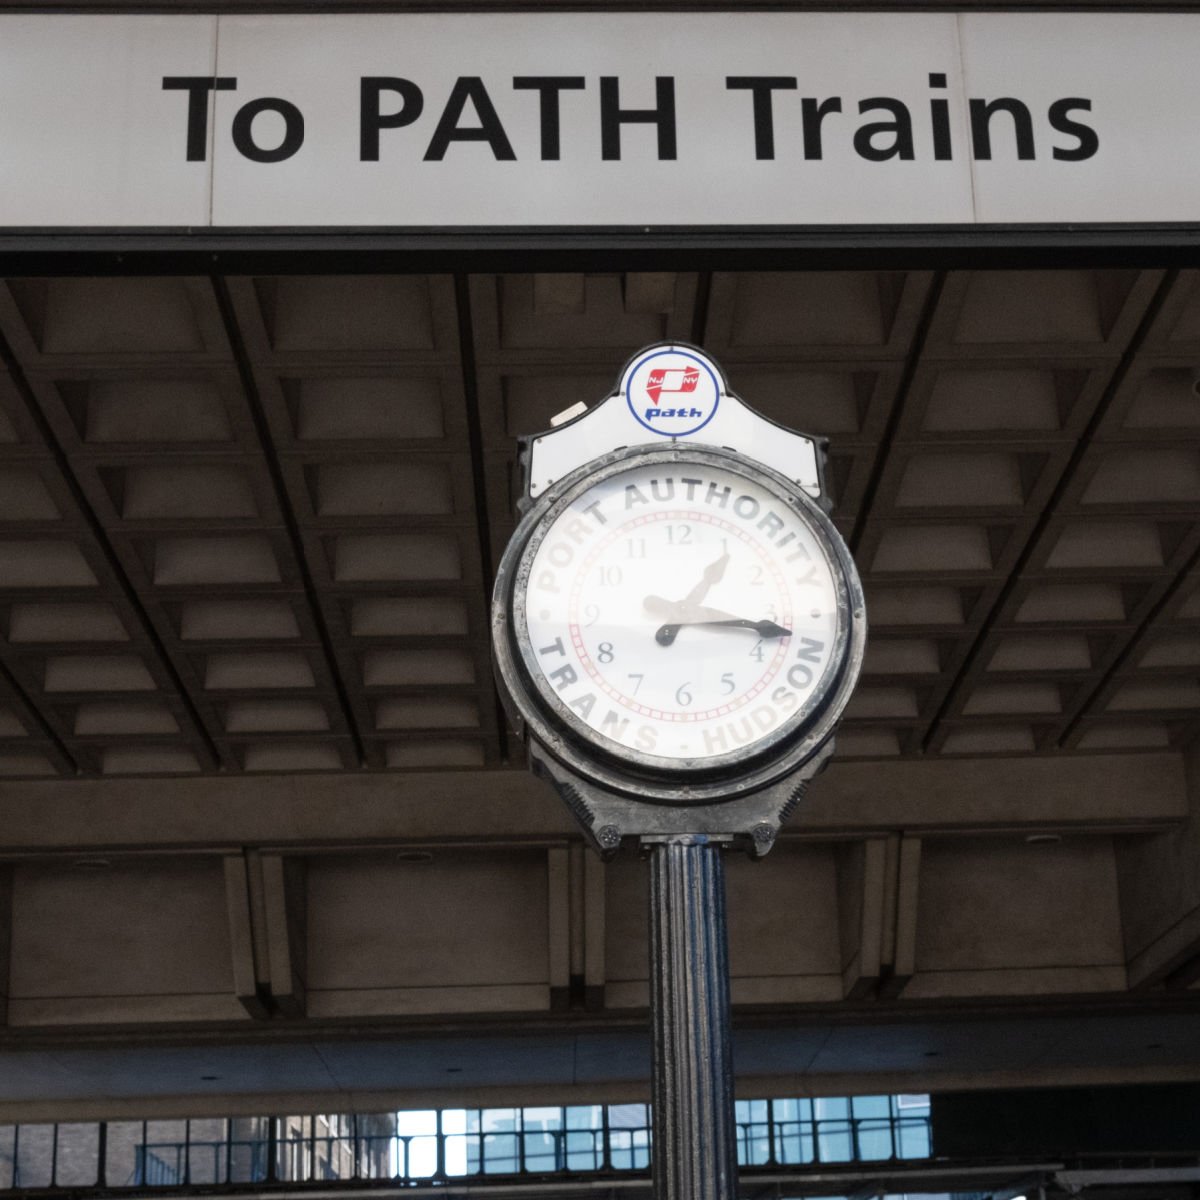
(679, 611)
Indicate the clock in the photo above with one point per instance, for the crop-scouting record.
(678, 623)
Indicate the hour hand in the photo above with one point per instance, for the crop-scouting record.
(712, 575)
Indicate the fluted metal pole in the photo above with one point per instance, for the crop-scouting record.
(694, 1153)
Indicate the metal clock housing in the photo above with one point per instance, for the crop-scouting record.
(678, 625)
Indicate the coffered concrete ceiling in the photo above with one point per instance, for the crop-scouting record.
(248, 524)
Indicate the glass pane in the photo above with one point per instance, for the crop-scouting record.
(323, 1166)
(872, 1106)
(163, 1158)
(874, 1140)
(542, 1150)
(335, 1152)
(375, 1150)
(500, 1120)
(585, 1116)
(294, 1151)
(423, 1120)
(375, 1156)
(629, 1149)
(248, 1149)
(543, 1144)
(500, 1154)
(35, 1155)
(123, 1138)
(585, 1149)
(754, 1144)
(834, 1143)
(628, 1116)
(422, 1157)
(792, 1110)
(794, 1142)
(912, 1137)
(831, 1108)
(77, 1162)
(206, 1151)
(462, 1153)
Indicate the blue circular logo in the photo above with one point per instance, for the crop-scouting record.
(672, 393)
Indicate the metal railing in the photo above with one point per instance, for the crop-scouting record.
(439, 1145)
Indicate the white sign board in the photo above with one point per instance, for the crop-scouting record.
(669, 394)
(598, 119)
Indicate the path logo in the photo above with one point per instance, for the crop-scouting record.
(680, 380)
(672, 392)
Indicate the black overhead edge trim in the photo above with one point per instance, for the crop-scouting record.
(289, 250)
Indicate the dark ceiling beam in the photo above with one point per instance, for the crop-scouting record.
(1087, 794)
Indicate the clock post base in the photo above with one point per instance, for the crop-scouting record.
(694, 1153)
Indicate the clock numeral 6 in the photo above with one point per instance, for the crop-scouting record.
(682, 696)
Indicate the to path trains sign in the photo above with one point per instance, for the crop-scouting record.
(598, 119)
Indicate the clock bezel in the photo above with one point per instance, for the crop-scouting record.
(674, 781)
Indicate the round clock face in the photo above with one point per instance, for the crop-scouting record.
(680, 614)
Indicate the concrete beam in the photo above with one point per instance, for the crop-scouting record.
(861, 880)
(594, 904)
(365, 1071)
(558, 925)
(1109, 793)
(249, 982)
(1160, 898)
(286, 932)
(904, 965)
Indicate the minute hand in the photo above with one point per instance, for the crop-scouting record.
(699, 614)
